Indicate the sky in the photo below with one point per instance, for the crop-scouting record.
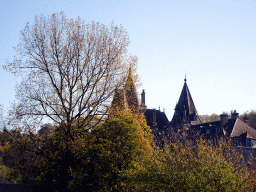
(213, 42)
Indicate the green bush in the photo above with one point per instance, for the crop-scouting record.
(197, 167)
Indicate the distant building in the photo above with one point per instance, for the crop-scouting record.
(241, 134)
(185, 110)
(185, 119)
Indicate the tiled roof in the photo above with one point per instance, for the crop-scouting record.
(240, 128)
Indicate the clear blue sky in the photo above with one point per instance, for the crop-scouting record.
(212, 41)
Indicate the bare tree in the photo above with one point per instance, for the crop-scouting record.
(70, 69)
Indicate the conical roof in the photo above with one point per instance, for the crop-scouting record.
(185, 109)
(186, 100)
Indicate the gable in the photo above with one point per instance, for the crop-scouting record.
(240, 128)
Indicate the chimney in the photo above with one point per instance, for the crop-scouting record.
(224, 118)
(143, 105)
(143, 98)
(235, 114)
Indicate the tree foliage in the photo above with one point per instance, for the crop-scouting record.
(100, 160)
(251, 116)
(209, 118)
(70, 69)
(197, 167)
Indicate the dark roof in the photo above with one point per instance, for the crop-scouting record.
(233, 128)
(161, 119)
(185, 103)
(186, 99)
(213, 123)
(211, 126)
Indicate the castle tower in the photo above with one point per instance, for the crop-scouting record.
(185, 110)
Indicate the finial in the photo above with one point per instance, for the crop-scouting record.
(159, 107)
(185, 78)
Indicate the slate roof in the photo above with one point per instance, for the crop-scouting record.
(234, 128)
(215, 129)
(162, 121)
(186, 99)
(185, 103)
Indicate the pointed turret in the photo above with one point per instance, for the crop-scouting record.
(185, 110)
(131, 93)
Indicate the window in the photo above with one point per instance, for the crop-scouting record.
(253, 142)
(217, 130)
(248, 143)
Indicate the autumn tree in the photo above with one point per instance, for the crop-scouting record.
(70, 70)
(197, 167)
(103, 158)
(209, 118)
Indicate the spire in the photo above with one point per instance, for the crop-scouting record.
(185, 108)
(131, 92)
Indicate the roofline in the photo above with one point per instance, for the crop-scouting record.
(233, 127)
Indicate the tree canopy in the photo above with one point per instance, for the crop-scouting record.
(70, 70)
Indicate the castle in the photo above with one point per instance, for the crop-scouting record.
(185, 118)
